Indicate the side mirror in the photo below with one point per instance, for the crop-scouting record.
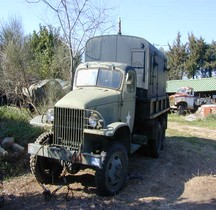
(165, 65)
(166, 69)
(129, 83)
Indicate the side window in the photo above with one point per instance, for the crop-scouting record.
(130, 81)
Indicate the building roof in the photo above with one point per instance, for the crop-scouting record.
(199, 85)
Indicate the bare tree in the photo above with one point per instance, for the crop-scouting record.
(14, 63)
(12, 58)
(79, 20)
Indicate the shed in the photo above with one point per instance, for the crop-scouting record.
(203, 86)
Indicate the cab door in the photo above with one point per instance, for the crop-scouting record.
(129, 99)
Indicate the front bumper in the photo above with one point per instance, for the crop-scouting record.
(65, 155)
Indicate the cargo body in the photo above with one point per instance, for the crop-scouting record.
(118, 105)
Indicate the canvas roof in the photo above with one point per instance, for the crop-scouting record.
(199, 85)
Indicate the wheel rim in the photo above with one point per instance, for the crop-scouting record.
(114, 171)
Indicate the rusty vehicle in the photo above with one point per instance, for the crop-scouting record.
(184, 100)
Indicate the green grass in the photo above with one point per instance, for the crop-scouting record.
(14, 123)
(209, 122)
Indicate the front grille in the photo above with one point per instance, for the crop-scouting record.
(68, 127)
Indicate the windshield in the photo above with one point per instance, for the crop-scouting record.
(99, 78)
(186, 90)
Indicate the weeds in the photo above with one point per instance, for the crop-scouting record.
(209, 121)
(14, 123)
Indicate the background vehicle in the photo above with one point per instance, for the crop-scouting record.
(118, 104)
(184, 100)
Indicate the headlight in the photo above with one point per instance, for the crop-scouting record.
(93, 121)
(50, 115)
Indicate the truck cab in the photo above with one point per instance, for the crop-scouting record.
(110, 89)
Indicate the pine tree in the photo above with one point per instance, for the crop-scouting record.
(176, 59)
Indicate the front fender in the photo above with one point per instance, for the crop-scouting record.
(113, 127)
(40, 121)
(109, 131)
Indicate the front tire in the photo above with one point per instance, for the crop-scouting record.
(182, 109)
(1, 201)
(46, 170)
(112, 177)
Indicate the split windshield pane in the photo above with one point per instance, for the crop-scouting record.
(99, 78)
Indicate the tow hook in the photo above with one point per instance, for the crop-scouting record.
(48, 194)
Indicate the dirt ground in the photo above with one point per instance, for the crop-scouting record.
(184, 177)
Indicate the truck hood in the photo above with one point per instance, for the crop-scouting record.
(88, 98)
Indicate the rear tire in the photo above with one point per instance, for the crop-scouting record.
(156, 142)
(46, 170)
(163, 141)
(112, 177)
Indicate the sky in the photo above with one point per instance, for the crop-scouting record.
(158, 21)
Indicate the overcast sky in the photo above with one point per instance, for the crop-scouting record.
(158, 21)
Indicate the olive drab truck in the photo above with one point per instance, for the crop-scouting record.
(118, 104)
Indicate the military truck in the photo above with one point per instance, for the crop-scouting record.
(118, 104)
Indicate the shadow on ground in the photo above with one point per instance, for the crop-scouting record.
(152, 183)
